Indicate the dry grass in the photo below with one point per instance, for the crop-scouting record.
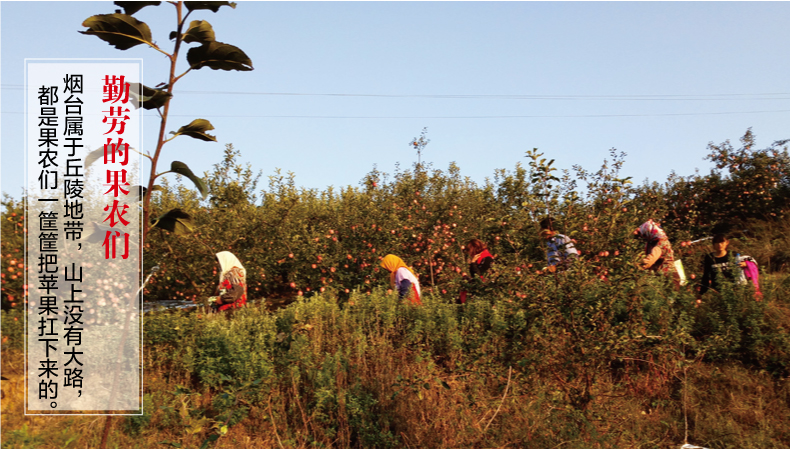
(379, 374)
(728, 407)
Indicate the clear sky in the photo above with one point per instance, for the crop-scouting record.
(490, 80)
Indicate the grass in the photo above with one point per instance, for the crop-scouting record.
(628, 370)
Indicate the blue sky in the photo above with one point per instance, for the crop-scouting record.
(490, 80)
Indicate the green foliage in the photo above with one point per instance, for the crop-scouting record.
(218, 56)
(732, 326)
(123, 32)
(577, 337)
(147, 97)
(301, 242)
(12, 247)
(176, 221)
(197, 130)
(22, 438)
(182, 169)
(13, 327)
(756, 181)
(199, 31)
(134, 425)
(212, 6)
(347, 364)
(358, 372)
(419, 145)
(746, 184)
(132, 7)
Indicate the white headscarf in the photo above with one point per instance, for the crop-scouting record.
(226, 262)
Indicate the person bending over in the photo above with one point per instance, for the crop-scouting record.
(402, 278)
(232, 289)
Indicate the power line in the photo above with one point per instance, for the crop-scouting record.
(667, 97)
(479, 116)
(711, 97)
(662, 97)
(358, 117)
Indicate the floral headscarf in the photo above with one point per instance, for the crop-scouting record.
(228, 261)
(392, 262)
(651, 232)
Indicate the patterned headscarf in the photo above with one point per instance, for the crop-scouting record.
(651, 232)
(392, 262)
(228, 261)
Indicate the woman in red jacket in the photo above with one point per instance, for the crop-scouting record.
(480, 261)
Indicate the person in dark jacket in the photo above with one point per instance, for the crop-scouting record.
(480, 259)
(719, 265)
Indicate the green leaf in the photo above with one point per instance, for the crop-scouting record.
(120, 30)
(213, 6)
(218, 56)
(149, 97)
(138, 192)
(132, 7)
(182, 169)
(211, 438)
(198, 31)
(184, 412)
(197, 129)
(176, 221)
(197, 426)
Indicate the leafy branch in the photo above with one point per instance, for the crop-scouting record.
(123, 31)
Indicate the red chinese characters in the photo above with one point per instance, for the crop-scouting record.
(116, 90)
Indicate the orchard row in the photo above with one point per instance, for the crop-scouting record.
(301, 241)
